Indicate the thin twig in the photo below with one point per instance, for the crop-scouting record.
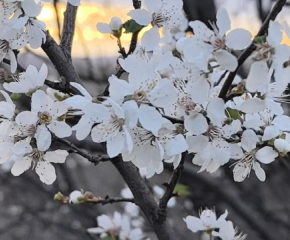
(249, 50)
(93, 159)
(110, 200)
(171, 185)
(60, 86)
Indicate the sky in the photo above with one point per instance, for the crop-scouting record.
(89, 42)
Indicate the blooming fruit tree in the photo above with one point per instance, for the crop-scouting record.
(176, 97)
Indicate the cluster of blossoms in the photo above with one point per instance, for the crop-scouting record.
(173, 96)
(19, 27)
(168, 104)
(209, 224)
(126, 226)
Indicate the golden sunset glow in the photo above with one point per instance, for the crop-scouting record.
(87, 39)
(86, 34)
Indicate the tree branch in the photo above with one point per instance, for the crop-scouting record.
(60, 86)
(61, 61)
(136, 4)
(171, 185)
(249, 50)
(110, 200)
(93, 159)
(68, 28)
(144, 198)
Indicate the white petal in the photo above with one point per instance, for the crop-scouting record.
(40, 102)
(274, 33)
(238, 39)
(282, 122)
(164, 94)
(253, 105)
(216, 111)
(58, 156)
(150, 118)
(236, 151)
(218, 150)
(141, 16)
(20, 166)
(260, 173)
(82, 90)
(26, 118)
(200, 90)
(200, 29)
(270, 132)
(196, 143)
(226, 60)
(266, 155)
(104, 27)
(31, 8)
(194, 224)
(282, 145)
(74, 2)
(43, 138)
(249, 140)
(97, 112)
(153, 6)
(119, 89)
(46, 172)
(223, 21)
(115, 145)
(176, 145)
(131, 113)
(196, 125)
(258, 79)
(150, 39)
(100, 133)
(60, 128)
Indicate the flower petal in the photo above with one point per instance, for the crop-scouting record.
(238, 39)
(266, 155)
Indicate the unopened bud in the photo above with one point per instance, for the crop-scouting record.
(76, 197)
(59, 197)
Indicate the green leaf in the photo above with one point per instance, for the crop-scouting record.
(260, 39)
(234, 113)
(15, 96)
(182, 190)
(131, 26)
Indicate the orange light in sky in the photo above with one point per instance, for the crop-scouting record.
(104, 45)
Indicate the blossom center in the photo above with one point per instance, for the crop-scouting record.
(44, 118)
(213, 132)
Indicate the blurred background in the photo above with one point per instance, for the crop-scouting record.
(28, 211)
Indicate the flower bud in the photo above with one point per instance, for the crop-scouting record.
(76, 197)
(115, 24)
(59, 197)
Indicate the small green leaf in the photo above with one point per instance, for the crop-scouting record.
(260, 39)
(234, 113)
(182, 190)
(15, 96)
(131, 26)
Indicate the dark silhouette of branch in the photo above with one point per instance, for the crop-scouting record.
(111, 200)
(144, 198)
(93, 159)
(248, 51)
(68, 30)
(171, 185)
(60, 86)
